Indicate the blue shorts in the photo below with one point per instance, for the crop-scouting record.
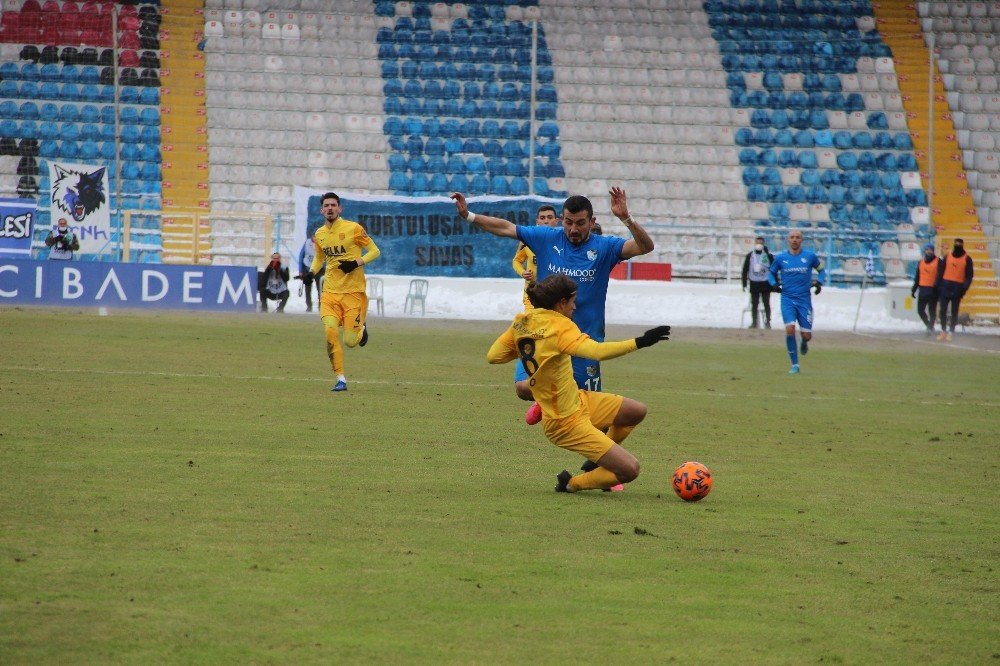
(586, 373)
(800, 312)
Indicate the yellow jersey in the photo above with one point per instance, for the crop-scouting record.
(338, 242)
(524, 260)
(545, 341)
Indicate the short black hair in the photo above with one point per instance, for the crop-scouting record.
(576, 203)
(544, 208)
(329, 195)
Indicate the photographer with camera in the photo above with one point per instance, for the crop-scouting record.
(62, 242)
(272, 283)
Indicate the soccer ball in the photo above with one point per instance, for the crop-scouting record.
(692, 481)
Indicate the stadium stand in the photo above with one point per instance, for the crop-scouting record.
(57, 102)
(722, 118)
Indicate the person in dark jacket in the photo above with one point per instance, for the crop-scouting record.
(755, 268)
(306, 255)
(62, 242)
(272, 283)
(924, 280)
(954, 279)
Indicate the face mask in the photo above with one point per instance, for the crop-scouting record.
(759, 247)
(62, 232)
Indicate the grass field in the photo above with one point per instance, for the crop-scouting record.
(185, 489)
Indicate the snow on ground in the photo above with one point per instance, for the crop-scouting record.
(644, 302)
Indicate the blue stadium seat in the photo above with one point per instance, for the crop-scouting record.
(456, 165)
(149, 95)
(399, 183)
(458, 183)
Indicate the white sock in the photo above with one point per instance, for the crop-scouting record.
(341, 378)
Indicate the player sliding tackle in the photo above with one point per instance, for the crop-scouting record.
(545, 339)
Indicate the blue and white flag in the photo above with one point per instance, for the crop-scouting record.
(80, 196)
(870, 265)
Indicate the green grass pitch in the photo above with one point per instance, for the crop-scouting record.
(180, 488)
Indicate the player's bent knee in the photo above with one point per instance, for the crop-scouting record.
(631, 413)
(628, 472)
(351, 338)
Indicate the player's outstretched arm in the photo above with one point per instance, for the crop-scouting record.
(640, 243)
(494, 225)
(602, 351)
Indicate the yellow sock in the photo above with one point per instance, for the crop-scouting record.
(619, 433)
(334, 350)
(599, 478)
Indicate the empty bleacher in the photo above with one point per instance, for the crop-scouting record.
(58, 73)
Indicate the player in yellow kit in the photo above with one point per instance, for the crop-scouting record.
(344, 303)
(545, 338)
(524, 259)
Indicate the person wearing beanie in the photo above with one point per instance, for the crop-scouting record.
(924, 281)
(954, 279)
(755, 267)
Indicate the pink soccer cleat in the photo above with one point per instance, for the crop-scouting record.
(617, 489)
(534, 414)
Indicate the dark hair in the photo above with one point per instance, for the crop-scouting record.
(328, 195)
(544, 208)
(576, 203)
(551, 290)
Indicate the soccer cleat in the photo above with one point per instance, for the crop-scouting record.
(620, 488)
(340, 386)
(804, 347)
(948, 337)
(562, 482)
(364, 336)
(534, 414)
(794, 370)
(942, 336)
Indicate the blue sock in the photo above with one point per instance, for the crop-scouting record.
(793, 353)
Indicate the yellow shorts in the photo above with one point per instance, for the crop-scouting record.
(581, 431)
(348, 309)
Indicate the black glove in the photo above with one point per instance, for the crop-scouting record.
(309, 276)
(744, 287)
(817, 287)
(913, 292)
(776, 288)
(347, 265)
(652, 336)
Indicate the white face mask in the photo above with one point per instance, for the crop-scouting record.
(758, 247)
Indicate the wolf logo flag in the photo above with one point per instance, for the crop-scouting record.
(79, 194)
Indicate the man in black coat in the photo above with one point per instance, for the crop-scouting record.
(755, 268)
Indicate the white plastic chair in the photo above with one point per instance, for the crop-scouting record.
(417, 293)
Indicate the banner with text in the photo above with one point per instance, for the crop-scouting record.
(80, 196)
(107, 284)
(423, 235)
(17, 219)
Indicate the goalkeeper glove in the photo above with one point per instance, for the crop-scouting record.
(348, 265)
(652, 336)
(776, 288)
(817, 287)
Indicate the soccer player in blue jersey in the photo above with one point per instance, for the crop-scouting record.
(574, 250)
(795, 269)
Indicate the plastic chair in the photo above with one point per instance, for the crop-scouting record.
(416, 294)
(375, 294)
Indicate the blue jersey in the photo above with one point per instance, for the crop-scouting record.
(589, 263)
(796, 273)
